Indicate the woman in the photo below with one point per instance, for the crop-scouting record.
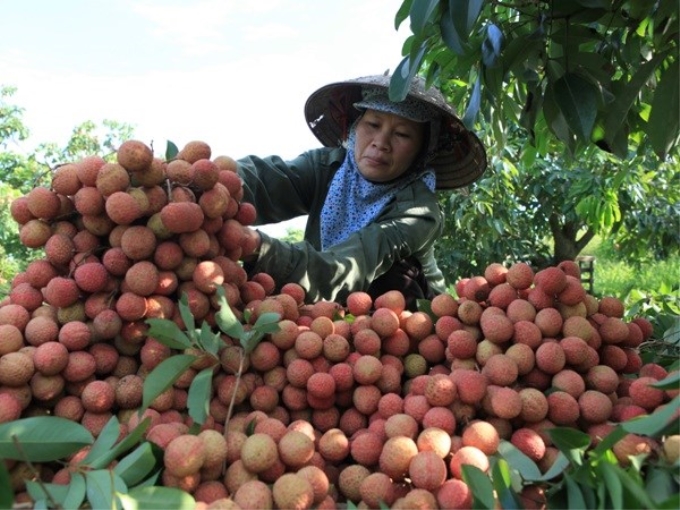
(373, 215)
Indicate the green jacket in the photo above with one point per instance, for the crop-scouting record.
(281, 190)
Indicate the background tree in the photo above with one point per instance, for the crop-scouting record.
(20, 172)
(577, 103)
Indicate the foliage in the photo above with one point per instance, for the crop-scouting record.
(620, 278)
(122, 473)
(293, 235)
(549, 188)
(569, 72)
(19, 173)
(586, 474)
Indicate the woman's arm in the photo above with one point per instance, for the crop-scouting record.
(281, 190)
(408, 226)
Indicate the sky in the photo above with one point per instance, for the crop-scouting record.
(232, 73)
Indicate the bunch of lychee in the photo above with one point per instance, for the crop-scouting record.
(360, 401)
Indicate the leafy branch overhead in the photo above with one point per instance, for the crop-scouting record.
(576, 72)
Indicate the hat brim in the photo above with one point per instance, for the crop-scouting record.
(330, 112)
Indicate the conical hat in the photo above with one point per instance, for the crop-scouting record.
(460, 157)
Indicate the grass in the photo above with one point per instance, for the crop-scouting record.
(616, 278)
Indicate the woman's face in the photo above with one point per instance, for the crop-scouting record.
(386, 145)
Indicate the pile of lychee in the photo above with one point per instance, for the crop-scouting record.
(361, 401)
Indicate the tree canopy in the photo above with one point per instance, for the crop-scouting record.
(577, 102)
(578, 72)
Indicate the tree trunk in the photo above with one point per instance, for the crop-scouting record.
(567, 244)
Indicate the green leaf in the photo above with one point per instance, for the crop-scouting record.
(612, 483)
(664, 122)
(404, 73)
(464, 14)
(124, 445)
(659, 484)
(185, 314)
(608, 441)
(6, 492)
(136, 465)
(561, 463)
(198, 400)
(102, 484)
(621, 106)
(210, 341)
(163, 376)
(672, 503)
(171, 151)
(420, 13)
(225, 318)
(46, 491)
(402, 13)
(105, 441)
(76, 491)
(502, 483)
(526, 467)
(480, 485)
(634, 488)
(168, 333)
(653, 424)
(671, 382)
(42, 438)
(577, 100)
(574, 495)
(268, 322)
(450, 35)
(157, 498)
(472, 109)
(573, 443)
(554, 117)
(491, 46)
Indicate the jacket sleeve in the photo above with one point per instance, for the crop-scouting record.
(281, 190)
(409, 225)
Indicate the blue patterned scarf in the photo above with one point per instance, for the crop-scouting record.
(353, 202)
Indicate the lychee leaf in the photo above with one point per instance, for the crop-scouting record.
(225, 318)
(168, 333)
(672, 382)
(659, 483)
(76, 491)
(102, 484)
(198, 400)
(209, 341)
(67, 496)
(526, 467)
(187, 317)
(104, 442)
(6, 499)
(136, 465)
(171, 151)
(573, 443)
(42, 438)
(561, 463)
(577, 100)
(45, 492)
(612, 483)
(574, 495)
(480, 486)
(163, 376)
(131, 439)
(157, 498)
(267, 323)
(608, 441)
(502, 482)
(653, 424)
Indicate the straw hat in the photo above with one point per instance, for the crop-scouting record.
(460, 157)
